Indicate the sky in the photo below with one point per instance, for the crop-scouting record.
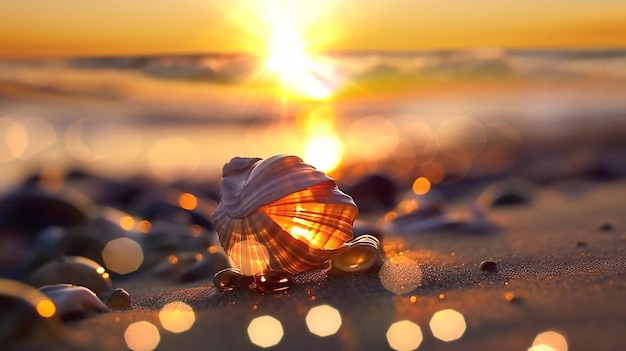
(39, 28)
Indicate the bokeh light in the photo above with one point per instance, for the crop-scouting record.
(177, 317)
(448, 325)
(400, 274)
(26, 137)
(323, 320)
(187, 201)
(404, 336)
(421, 186)
(174, 158)
(127, 222)
(122, 255)
(549, 341)
(142, 336)
(265, 331)
(372, 138)
(115, 142)
(323, 152)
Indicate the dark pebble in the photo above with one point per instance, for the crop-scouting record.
(230, 279)
(273, 281)
(606, 227)
(488, 266)
(581, 243)
(118, 299)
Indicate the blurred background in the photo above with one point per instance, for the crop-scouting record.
(405, 89)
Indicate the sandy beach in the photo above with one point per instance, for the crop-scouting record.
(560, 267)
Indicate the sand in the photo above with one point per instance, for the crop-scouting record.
(561, 266)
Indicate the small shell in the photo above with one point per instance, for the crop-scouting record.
(362, 255)
(281, 214)
(73, 301)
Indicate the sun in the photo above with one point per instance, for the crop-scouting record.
(298, 71)
(290, 37)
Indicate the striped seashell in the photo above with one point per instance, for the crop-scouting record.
(281, 214)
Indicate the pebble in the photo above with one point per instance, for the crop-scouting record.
(231, 278)
(488, 266)
(513, 192)
(76, 270)
(606, 227)
(118, 299)
(273, 281)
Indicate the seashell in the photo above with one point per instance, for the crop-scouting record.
(75, 270)
(281, 214)
(73, 301)
(363, 255)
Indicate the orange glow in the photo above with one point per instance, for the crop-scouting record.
(127, 222)
(142, 336)
(177, 317)
(323, 152)
(549, 340)
(71, 27)
(421, 186)
(144, 226)
(323, 149)
(187, 201)
(46, 308)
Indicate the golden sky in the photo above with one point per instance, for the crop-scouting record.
(118, 27)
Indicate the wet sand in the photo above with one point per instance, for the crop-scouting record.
(560, 261)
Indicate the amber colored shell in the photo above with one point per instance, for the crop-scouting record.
(281, 214)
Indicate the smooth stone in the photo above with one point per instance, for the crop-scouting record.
(373, 193)
(513, 192)
(74, 270)
(33, 208)
(273, 281)
(424, 218)
(488, 266)
(607, 227)
(74, 302)
(229, 279)
(118, 299)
